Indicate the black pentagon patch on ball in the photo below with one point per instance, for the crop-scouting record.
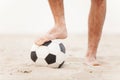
(62, 48)
(61, 64)
(51, 58)
(46, 43)
(34, 56)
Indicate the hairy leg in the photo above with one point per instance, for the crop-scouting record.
(96, 21)
(59, 30)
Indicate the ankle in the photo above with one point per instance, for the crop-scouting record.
(91, 55)
(60, 25)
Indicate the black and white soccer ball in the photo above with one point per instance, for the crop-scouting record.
(50, 54)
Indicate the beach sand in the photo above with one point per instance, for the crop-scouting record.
(15, 63)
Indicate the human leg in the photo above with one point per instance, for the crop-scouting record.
(59, 30)
(95, 25)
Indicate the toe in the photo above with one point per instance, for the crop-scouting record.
(40, 41)
(43, 39)
(92, 62)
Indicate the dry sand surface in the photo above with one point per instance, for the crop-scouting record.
(15, 63)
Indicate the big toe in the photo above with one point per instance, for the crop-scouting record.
(44, 39)
(40, 41)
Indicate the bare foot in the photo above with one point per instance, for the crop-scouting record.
(55, 33)
(92, 61)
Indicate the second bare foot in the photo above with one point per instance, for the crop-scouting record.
(92, 61)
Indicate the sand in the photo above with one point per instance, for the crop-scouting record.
(15, 63)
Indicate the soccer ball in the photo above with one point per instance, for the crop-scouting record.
(50, 54)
